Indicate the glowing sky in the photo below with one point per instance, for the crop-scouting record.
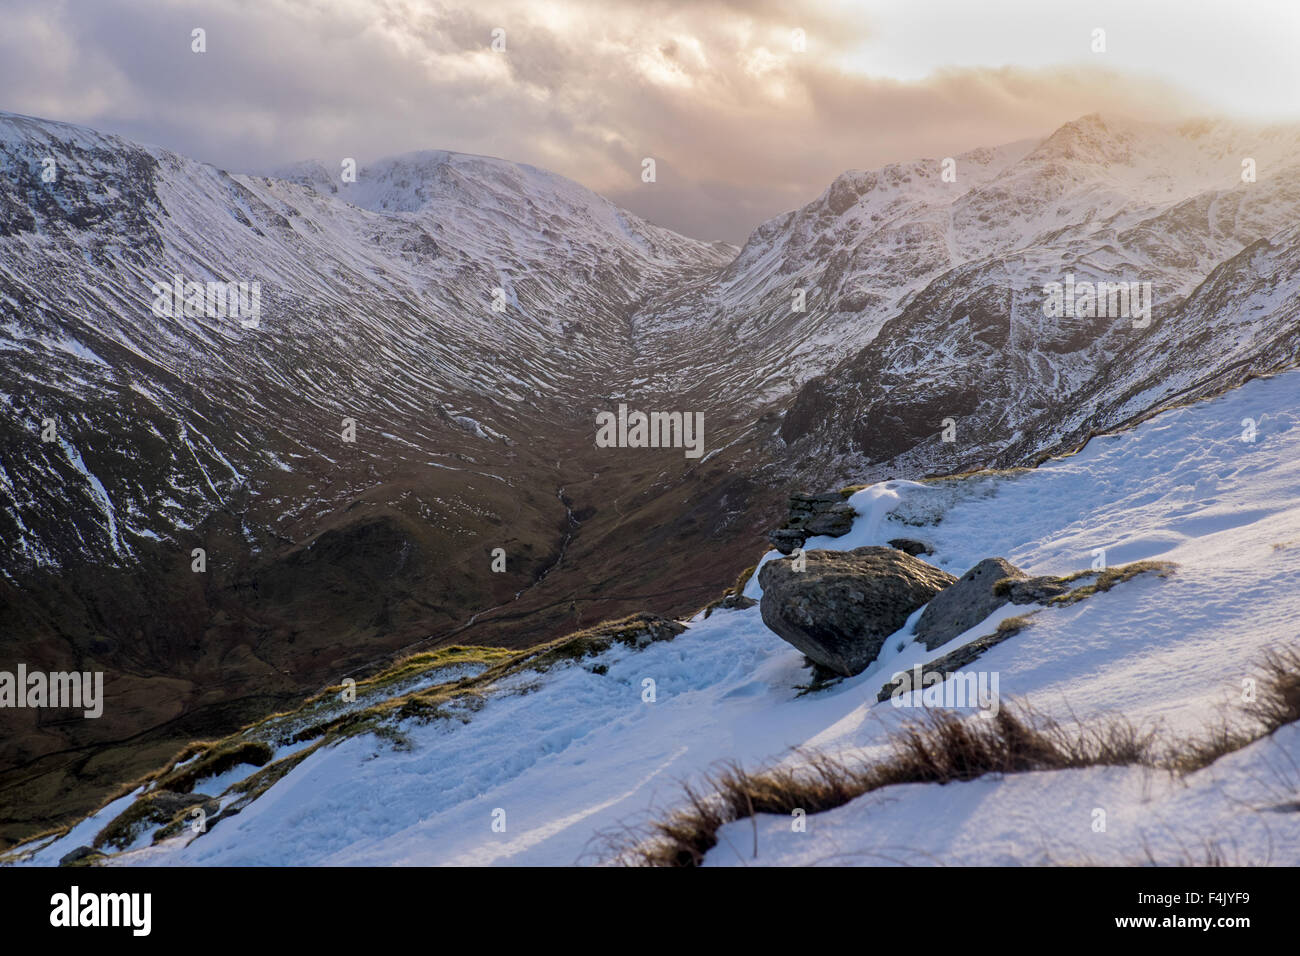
(743, 124)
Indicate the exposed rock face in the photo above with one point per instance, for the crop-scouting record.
(786, 540)
(811, 515)
(843, 606)
(966, 603)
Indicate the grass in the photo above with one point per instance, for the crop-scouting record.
(459, 699)
(974, 473)
(149, 810)
(943, 747)
(1011, 626)
(848, 490)
(417, 665)
(737, 590)
(318, 718)
(938, 748)
(1276, 704)
(633, 631)
(1105, 579)
(321, 719)
(215, 759)
(1109, 577)
(742, 579)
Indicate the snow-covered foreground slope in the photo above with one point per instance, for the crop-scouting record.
(576, 754)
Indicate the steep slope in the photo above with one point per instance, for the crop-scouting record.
(171, 433)
(378, 312)
(572, 750)
(978, 346)
(380, 306)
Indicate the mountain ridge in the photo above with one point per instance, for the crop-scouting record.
(474, 426)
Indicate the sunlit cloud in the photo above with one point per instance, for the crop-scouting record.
(748, 108)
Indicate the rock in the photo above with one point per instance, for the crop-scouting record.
(964, 604)
(834, 521)
(79, 855)
(1033, 590)
(786, 540)
(166, 804)
(954, 661)
(911, 546)
(843, 606)
(811, 515)
(813, 503)
(735, 602)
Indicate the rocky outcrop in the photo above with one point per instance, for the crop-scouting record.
(966, 603)
(730, 602)
(81, 856)
(840, 609)
(911, 546)
(954, 661)
(811, 515)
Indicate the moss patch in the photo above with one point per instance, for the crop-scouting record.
(1058, 590)
(1110, 577)
(152, 809)
(213, 761)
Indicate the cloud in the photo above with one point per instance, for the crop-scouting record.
(742, 124)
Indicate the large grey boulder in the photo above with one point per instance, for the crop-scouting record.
(843, 606)
(964, 604)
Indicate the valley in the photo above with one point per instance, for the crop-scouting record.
(476, 429)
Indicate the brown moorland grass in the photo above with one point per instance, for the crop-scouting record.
(944, 747)
(1276, 704)
(940, 747)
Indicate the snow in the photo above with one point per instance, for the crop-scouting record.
(1234, 808)
(581, 752)
(573, 755)
(97, 490)
(49, 852)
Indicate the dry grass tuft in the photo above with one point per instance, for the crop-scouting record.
(1276, 704)
(944, 747)
(941, 747)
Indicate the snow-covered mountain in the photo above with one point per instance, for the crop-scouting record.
(549, 759)
(376, 302)
(457, 316)
(923, 300)
(464, 319)
(1098, 201)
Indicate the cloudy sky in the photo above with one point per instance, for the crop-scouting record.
(745, 117)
